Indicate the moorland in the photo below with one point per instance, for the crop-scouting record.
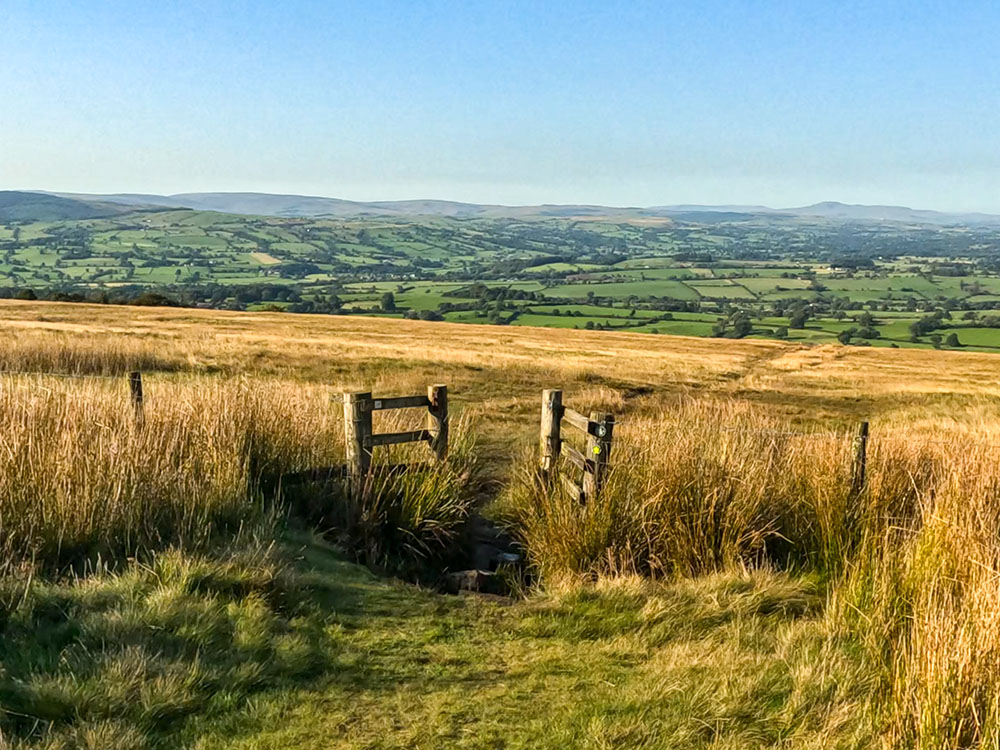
(163, 586)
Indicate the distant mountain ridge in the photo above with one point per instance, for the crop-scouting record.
(306, 206)
(850, 212)
(19, 205)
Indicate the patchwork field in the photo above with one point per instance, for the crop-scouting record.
(731, 276)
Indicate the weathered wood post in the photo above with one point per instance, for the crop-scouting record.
(598, 453)
(437, 420)
(860, 464)
(550, 437)
(135, 389)
(358, 431)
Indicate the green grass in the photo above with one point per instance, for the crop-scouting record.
(804, 294)
(642, 289)
(592, 310)
(707, 664)
(773, 285)
(975, 337)
(719, 289)
(558, 321)
(194, 240)
(293, 648)
(119, 661)
(564, 267)
(677, 328)
(610, 259)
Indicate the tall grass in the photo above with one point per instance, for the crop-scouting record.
(42, 351)
(693, 490)
(81, 478)
(922, 597)
(912, 561)
(406, 520)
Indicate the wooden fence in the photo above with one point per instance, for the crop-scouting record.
(598, 430)
(592, 464)
(860, 465)
(358, 410)
(135, 392)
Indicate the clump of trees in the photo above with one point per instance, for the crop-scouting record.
(736, 326)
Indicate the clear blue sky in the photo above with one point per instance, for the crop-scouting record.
(626, 103)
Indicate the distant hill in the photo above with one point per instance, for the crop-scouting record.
(17, 205)
(267, 204)
(845, 212)
(834, 210)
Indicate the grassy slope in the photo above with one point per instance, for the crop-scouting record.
(727, 659)
(250, 653)
(501, 370)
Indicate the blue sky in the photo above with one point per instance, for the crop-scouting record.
(639, 103)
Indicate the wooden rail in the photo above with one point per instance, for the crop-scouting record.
(360, 439)
(592, 463)
(859, 465)
(135, 392)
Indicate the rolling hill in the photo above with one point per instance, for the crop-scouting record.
(267, 204)
(16, 205)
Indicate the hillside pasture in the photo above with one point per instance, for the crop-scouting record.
(728, 576)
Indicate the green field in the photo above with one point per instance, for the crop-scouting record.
(543, 272)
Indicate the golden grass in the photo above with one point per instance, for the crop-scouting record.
(80, 477)
(503, 367)
(705, 476)
(43, 351)
(921, 598)
(913, 560)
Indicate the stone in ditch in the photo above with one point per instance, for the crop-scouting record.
(469, 580)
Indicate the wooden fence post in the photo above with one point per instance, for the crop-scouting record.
(598, 453)
(551, 439)
(437, 419)
(358, 429)
(860, 464)
(135, 389)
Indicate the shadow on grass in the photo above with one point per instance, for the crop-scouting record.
(292, 648)
(182, 635)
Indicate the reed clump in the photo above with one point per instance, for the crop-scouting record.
(408, 522)
(80, 476)
(910, 561)
(692, 490)
(711, 484)
(921, 598)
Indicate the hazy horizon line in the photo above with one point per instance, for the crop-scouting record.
(731, 204)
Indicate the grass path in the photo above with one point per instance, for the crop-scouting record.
(737, 660)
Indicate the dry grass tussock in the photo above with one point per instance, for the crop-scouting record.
(921, 597)
(80, 477)
(692, 490)
(910, 566)
(84, 354)
(911, 563)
